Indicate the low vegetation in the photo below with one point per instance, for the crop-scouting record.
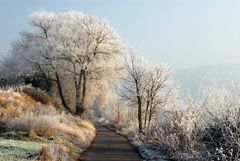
(203, 129)
(14, 150)
(37, 130)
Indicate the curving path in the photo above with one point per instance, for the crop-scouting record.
(109, 146)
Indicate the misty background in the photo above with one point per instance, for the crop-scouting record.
(200, 38)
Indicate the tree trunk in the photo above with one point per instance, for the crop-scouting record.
(146, 114)
(139, 114)
(150, 118)
(84, 93)
(64, 103)
(80, 104)
(78, 95)
(78, 100)
(150, 114)
(139, 102)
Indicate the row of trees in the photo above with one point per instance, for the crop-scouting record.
(80, 54)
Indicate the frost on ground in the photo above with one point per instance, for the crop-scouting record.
(13, 150)
(147, 152)
(31, 130)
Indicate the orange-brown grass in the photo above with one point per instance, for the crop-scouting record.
(20, 112)
(11, 100)
(85, 124)
(42, 97)
(25, 100)
(3, 96)
(55, 152)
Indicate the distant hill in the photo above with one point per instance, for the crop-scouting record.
(191, 80)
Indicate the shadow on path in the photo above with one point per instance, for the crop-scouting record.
(109, 146)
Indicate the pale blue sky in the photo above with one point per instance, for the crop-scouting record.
(186, 33)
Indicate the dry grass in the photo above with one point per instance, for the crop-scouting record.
(55, 152)
(42, 97)
(23, 112)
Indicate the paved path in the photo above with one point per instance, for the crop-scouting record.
(109, 146)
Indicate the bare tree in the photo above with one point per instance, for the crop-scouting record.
(117, 108)
(146, 85)
(134, 84)
(158, 90)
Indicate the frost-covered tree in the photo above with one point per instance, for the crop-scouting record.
(71, 48)
(158, 89)
(134, 84)
(146, 85)
(35, 56)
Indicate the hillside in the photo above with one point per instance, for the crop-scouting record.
(193, 79)
(31, 130)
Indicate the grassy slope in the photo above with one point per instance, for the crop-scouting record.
(28, 128)
(13, 150)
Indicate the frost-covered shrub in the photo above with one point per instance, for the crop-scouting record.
(174, 133)
(207, 128)
(221, 135)
(221, 139)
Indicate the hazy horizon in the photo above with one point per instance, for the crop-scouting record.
(181, 32)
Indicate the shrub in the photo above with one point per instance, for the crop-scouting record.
(175, 135)
(205, 129)
(41, 97)
(222, 139)
(55, 152)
